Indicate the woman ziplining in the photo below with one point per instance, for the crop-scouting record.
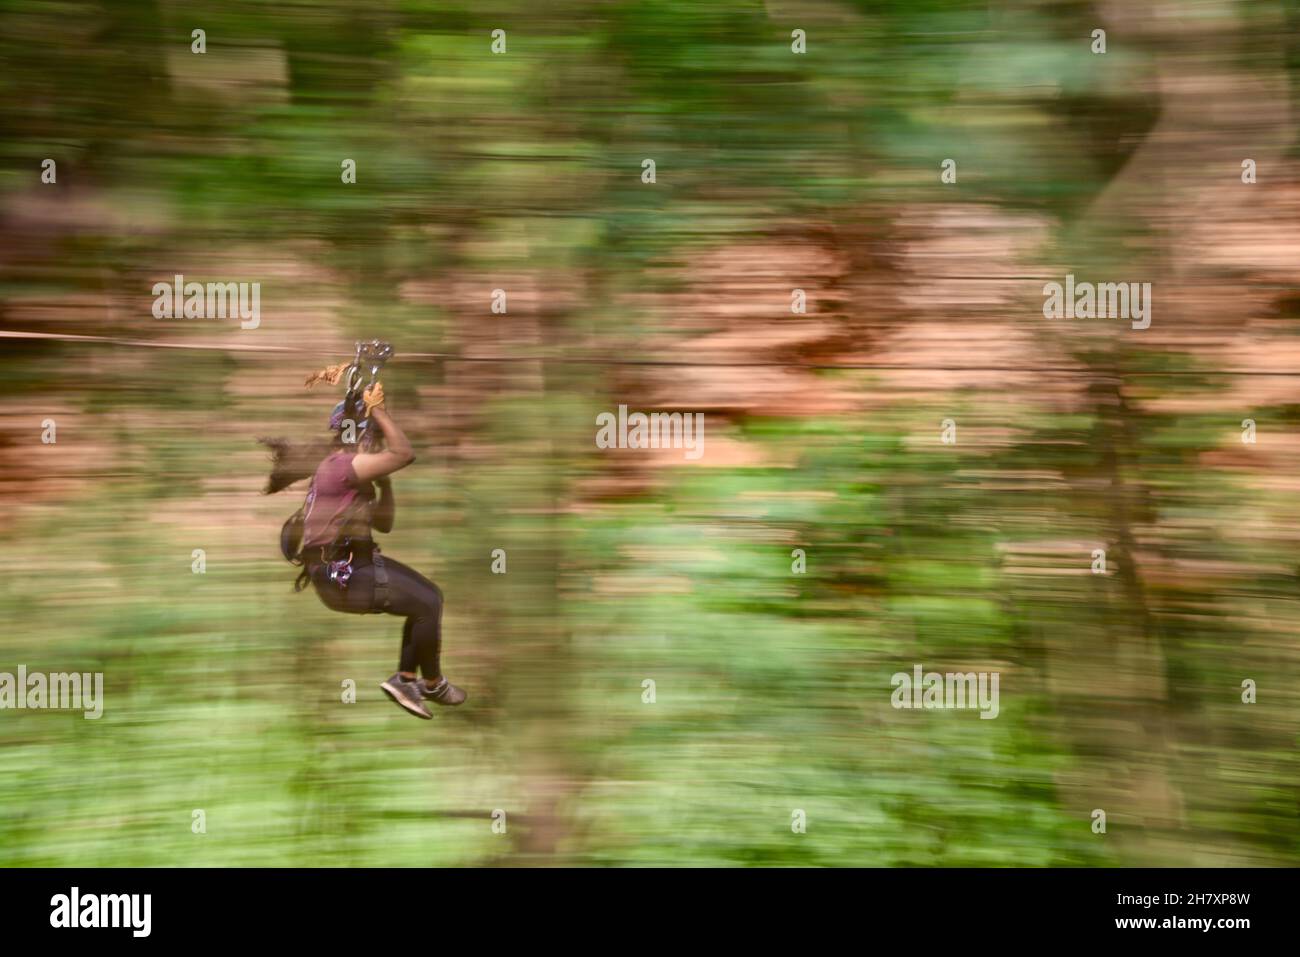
(331, 536)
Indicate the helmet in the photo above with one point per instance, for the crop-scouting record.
(350, 408)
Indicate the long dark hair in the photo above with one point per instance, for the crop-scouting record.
(294, 461)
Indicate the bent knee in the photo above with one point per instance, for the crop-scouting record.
(431, 600)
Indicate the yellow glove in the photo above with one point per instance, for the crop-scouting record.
(374, 398)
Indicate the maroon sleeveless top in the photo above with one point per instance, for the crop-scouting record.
(339, 504)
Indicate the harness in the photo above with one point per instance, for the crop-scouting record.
(373, 354)
(381, 580)
(339, 570)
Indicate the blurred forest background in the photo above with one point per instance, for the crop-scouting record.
(775, 171)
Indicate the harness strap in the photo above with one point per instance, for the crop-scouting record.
(381, 580)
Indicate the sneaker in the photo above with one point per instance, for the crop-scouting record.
(442, 692)
(406, 692)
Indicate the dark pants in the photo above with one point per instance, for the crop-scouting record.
(410, 595)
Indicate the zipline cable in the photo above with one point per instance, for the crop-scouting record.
(668, 363)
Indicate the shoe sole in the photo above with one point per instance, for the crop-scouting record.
(392, 692)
